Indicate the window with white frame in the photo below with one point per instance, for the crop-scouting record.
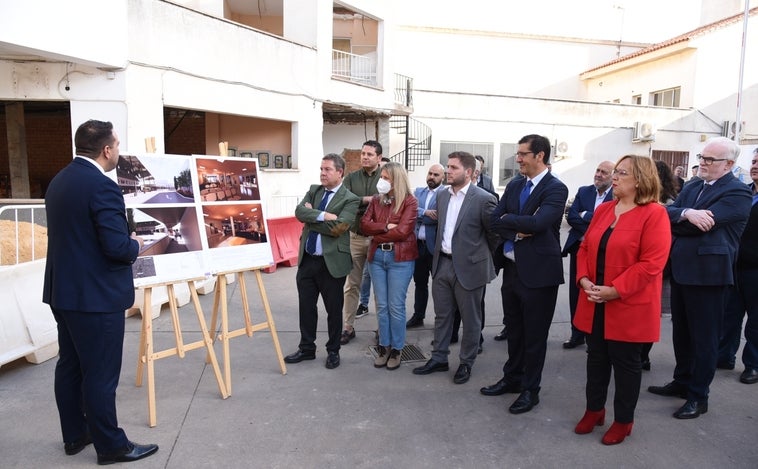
(486, 150)
(666, 98)
(637, 99)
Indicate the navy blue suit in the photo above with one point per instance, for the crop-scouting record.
(702, 269)
(88, 285)
(423, 266)
(579, 217)
(530, 285)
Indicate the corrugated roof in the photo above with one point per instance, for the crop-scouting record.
(701, 31)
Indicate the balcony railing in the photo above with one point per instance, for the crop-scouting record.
(356, 68)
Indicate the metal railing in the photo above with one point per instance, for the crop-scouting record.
(356, 68)
(403, 90)
(23, 233)
(418, 142)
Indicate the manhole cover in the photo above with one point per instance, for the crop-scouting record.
(411, 353)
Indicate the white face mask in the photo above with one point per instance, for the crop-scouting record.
(383, 186)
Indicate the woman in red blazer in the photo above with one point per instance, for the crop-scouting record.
(390, 220)
(619, 274)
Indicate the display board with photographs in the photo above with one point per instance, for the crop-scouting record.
(198, 215)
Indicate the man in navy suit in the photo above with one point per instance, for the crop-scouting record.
(707, 220)
(579, 216)
(426, 235)
(528, 219)
(88, 285)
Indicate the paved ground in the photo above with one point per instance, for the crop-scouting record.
(360, 417)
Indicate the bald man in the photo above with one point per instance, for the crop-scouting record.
(426, 233)
(587, 199)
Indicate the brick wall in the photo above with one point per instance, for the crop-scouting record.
(48, 146)
(184, 132)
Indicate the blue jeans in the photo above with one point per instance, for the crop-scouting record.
(391, 280)
(365, 286)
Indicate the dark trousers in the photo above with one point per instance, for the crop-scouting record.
(86, 377)
(741, 298)
(528, 314)
(421, 273)
(313, 279)
(696, 313)
(576, 334)
(621, 357)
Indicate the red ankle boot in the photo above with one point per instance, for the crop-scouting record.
(617, 433)
(591, 419)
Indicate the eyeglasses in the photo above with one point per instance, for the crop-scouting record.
(708, 159)
(620, 172)
(521, 154)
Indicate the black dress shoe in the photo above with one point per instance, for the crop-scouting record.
(332, 360)
(725, 365)
(646, 365)
(525, 402)
(672, 389)
(299, 356)
(501, 387)
(573, 342)
(749, 376)
(414, 321)
(463, 374)
(502, 335)
(691, 409)
(76, 446)
(346, 337)
(132, 453)
(430, 367)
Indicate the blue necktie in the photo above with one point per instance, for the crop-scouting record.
(310, 244)
(508, 246)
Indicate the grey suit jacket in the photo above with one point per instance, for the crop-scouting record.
(472, 240)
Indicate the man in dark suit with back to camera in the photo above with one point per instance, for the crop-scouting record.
(579, 216)
(528, 218)
(707, 220)
(462, 264)
(324, 260)
(88, 285)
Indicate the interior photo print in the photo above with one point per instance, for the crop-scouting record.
(233, 224)
(227, 179)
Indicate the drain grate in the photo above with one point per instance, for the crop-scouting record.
(411, 353)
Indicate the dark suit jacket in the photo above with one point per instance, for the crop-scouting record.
(708, 258)
(485, 182)
(748, 255)
(335, 237)
(423, 222)
(538, 257)
(583, 202)
(472, 241)
(89, 253)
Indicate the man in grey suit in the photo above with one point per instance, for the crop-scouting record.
(462, 264)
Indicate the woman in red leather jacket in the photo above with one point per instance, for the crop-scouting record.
(390, 220)
(619, 272)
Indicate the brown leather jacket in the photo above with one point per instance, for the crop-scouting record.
(378, 216)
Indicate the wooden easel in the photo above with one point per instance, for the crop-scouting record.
(220, 297)
(146, 354)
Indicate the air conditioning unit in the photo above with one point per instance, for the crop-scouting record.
(729, 128)
(561, 150)
(643, 132)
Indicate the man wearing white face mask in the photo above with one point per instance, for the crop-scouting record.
(363, 184)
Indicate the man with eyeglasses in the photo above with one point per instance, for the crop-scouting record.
(743, 297)
(707, 220)
(587, 199)
(528, 219)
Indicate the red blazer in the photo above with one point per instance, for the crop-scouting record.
(374, 224)
(636, 253)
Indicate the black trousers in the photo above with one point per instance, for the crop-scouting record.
(621, 357)
(421, 273)
(528, 314)
(313, 279)
(86, 377)
(576, 334)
